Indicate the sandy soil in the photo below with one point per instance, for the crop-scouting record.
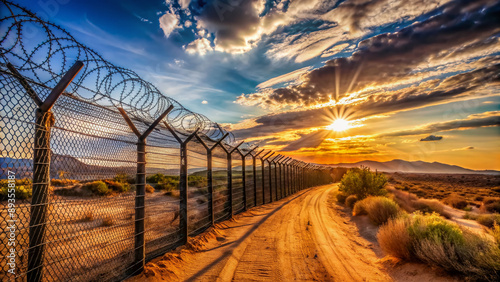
(304, 237)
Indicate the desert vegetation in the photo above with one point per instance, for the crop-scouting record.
(434, 240)
(22, 188)
(418, 229)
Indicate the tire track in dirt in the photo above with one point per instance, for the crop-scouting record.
(301, 237)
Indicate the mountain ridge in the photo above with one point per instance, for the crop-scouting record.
(398, 165)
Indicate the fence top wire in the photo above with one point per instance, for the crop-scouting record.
(43, 52)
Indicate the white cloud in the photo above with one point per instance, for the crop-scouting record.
(184, 3)
(200, 46)
(168, 23)
(204, 102)
(291, 76)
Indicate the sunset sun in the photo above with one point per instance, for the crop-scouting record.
(339, 125)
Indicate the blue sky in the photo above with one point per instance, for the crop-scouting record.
(279, 73)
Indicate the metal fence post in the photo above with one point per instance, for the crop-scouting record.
(244, 175)
(209, 150)
(255, 176)
(140, 191)
(44, 120)
(263, 161)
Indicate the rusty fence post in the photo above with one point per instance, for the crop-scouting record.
(44, 121)
(140, 191)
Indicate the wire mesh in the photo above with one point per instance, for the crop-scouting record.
(75, 168)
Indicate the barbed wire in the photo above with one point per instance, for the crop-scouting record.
(43, 52)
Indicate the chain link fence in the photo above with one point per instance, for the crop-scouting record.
(101, 172)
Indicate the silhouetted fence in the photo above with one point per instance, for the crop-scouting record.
(100, 172)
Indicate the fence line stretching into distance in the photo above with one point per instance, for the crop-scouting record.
(109, 172)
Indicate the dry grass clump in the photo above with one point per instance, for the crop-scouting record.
(437, 241)
(117, 186)
(410, 203)
(394, 238)
(487, 220)
(63, 182)
(379, 209)
(149, 189)
(174, 193)
(495, 233)
(492, 204)
(351, 200)
(456, 201)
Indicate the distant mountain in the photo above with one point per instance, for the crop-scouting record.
(414, 167)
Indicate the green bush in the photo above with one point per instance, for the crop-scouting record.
(166, 187)
(378, 209)
(436, 241)
(197, 181)
(164, 182)
(97, 187)
(363, 183)
(124, 178)
(351, 200)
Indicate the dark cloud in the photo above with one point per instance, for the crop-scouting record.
(391, 56)
(424, 94)
(231, 21)
(432, 138)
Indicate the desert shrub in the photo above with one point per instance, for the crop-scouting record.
(479, 198)
(488, 220)
(117, 186)
(166, 186)
(97, 188)
(22, 190)
(496, 189)
(197, 181)
(341, 197)
(124, 178)
(430, 206)
(149, 189)
(495, 233)
(351, 200)
(174, 193)
(363, 183)
(164, 182)
(456, 201)
(492, 204)
(437, 241)
(63, 182)
(378, 209)
(394, 238)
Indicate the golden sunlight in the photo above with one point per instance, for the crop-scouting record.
(339, 125)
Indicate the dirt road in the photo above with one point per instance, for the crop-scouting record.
(297, 238)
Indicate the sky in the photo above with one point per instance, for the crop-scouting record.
(322, 81)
